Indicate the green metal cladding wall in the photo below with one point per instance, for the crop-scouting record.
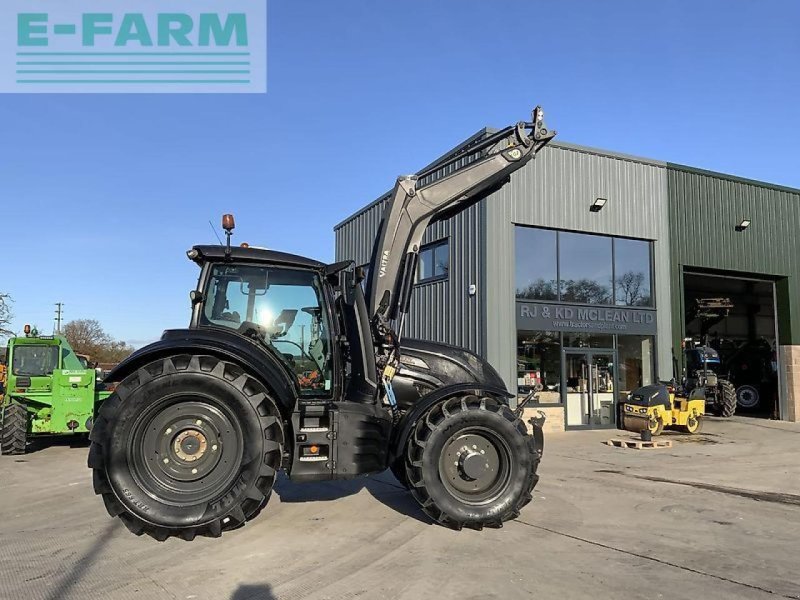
(704, 209)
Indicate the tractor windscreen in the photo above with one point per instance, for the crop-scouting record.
(281, 307)
(34, 361)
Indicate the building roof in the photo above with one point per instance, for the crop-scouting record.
(587, 150)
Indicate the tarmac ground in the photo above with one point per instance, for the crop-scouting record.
(715, 516)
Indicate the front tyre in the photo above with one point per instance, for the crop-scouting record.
(471, 463)
(186, 446)
(14, 432)
(727, 395)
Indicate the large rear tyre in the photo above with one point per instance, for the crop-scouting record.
(186, 446)
(727, 398)
(747, 396)
(471, 463)
(14, 433)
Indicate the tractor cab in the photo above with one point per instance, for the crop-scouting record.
(702, 366)
(34, 360)
(279, 301)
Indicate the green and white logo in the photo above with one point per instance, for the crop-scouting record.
(164, 46)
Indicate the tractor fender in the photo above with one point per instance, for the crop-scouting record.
(227, 345)
(406, 425)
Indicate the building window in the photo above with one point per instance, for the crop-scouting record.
(434, 262)
(536, 264)
(632, 273)
(582, 268)
(588, 340)
(539, 363)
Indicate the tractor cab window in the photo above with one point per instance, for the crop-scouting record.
(280, 308)
(34, 361)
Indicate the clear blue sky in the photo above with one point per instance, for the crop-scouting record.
(100, 196)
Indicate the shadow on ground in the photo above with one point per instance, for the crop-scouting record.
(384, 488)
(74, 576)
(78, 441)
(261, 591)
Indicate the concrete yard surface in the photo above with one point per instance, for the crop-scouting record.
(715, 516)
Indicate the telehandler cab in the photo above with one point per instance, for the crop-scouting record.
(286, 365)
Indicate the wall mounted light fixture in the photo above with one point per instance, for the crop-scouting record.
(598, 205)
(743, 225)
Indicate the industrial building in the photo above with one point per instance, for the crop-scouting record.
(581, 275)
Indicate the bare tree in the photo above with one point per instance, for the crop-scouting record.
(5, 315)
(87, 336)
(631, 288)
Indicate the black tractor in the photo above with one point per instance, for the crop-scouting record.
(287, 364)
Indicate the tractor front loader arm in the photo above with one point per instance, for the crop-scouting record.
(419, 200)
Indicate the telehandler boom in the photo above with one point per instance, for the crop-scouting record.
(286, 365)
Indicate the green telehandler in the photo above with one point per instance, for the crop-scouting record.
(48, 391)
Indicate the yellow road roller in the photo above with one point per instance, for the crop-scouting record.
(654, 407)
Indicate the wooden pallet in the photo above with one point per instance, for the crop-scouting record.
(639, 444)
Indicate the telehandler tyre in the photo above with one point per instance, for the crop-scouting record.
(14, 434)
(186, 446)
(471, 463)
(728, 398)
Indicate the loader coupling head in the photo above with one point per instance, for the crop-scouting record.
(540, 131)
(534, 133)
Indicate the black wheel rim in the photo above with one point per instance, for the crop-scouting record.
(185, 450)
(475, 465)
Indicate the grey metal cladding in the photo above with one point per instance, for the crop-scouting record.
(355, 237)
(555, 191)
(441, 311)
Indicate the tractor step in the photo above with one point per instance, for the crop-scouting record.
(639, 444)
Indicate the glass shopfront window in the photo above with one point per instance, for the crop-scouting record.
(632, 273)
(588, 340)
(585, 271)
(635, 363)
(536, 264)
(582, 268)
(539, 362)
(590, 375)
(585, 321)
